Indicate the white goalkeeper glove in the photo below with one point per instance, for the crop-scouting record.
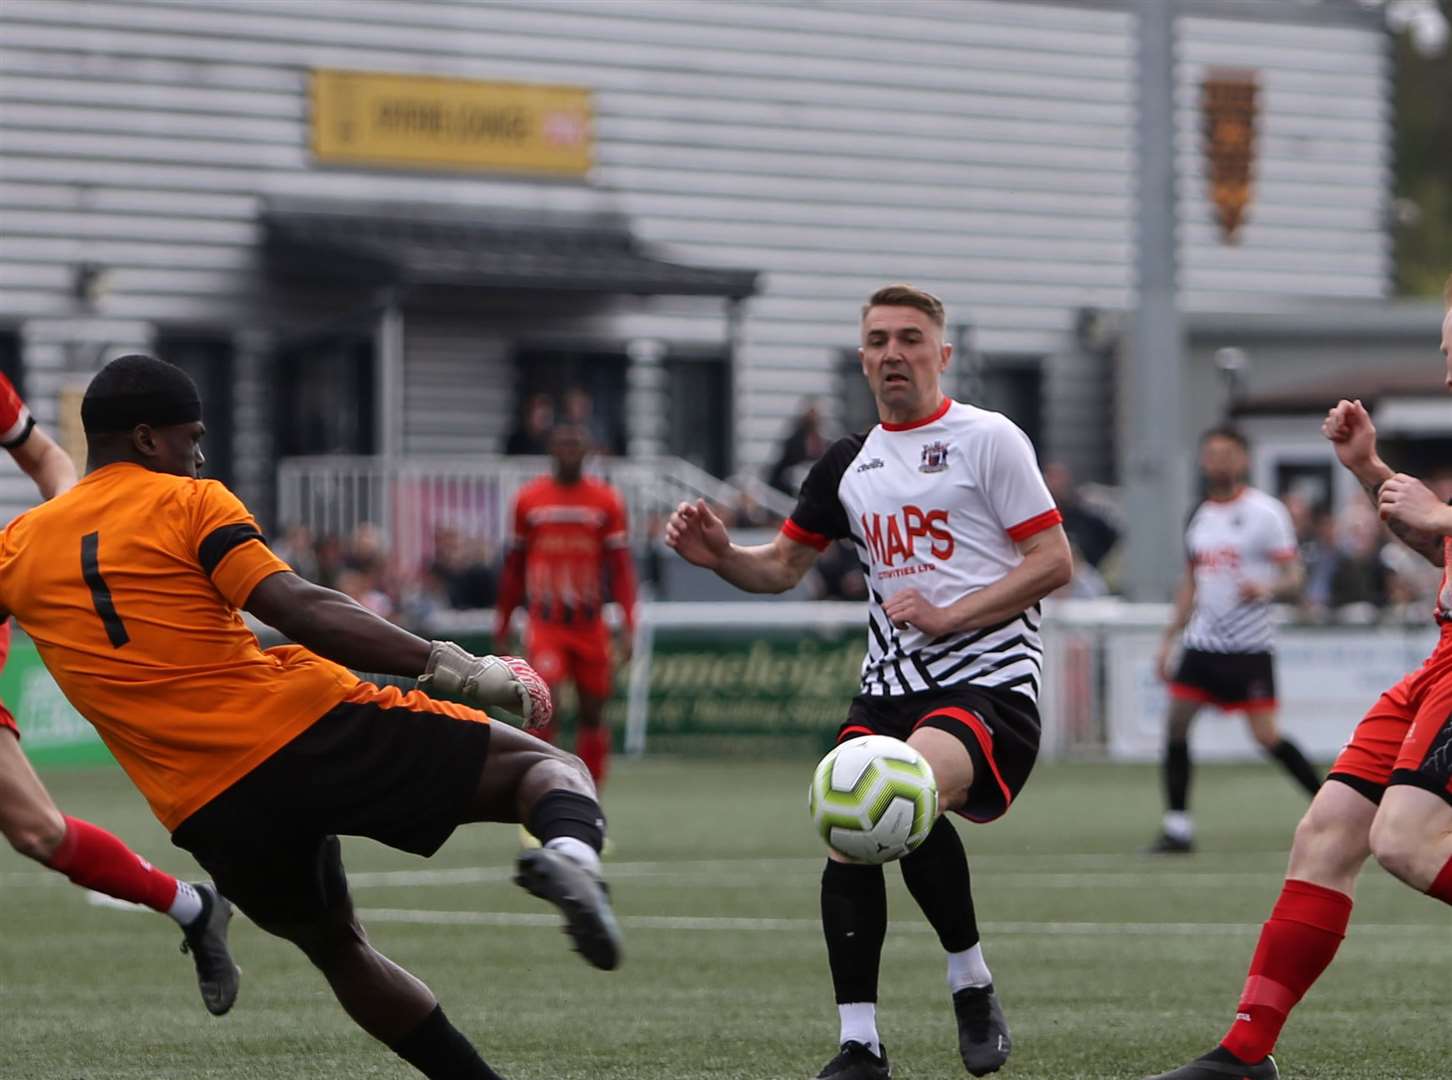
(505, 681)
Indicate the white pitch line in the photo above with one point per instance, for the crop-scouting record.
(742, 925)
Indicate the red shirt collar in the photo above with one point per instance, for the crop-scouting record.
(936, 415)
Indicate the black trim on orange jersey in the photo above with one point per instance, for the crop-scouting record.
(18, 441)
(221, 540)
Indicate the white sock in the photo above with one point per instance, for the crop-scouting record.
(967, 968)
(187, 905)
(859, 1024)
(1177, 825)
(573, 848)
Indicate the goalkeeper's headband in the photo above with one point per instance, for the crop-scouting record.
(137, 389)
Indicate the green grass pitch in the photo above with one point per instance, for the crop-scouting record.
(1109, 964)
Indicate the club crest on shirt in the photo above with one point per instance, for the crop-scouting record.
(935, 457)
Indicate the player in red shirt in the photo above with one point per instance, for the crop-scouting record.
(569, 540)
(90, 856)
(1388, 795)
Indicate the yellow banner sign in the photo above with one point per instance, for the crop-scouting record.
(418, 121)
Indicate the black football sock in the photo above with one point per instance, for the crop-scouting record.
(854, 921)
(1177, 775)
(1295, 763)
(936, 874)
(561, 813)
(439, 1050)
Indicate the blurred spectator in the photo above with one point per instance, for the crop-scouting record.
(1089, 530)
(1347, 577)
(837, 575)
(364, 590)
(298, 549)
(531, 434)
(1086, 583)
(579, 410)
(802, 446)
(461, 571)
(328, 560)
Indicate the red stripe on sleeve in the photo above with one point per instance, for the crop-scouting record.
(792, 531)
(1024, 529)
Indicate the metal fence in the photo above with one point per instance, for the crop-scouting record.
(409, 499)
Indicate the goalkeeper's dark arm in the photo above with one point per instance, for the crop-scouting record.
(337, 627)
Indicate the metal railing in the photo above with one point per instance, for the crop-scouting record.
(409, 499)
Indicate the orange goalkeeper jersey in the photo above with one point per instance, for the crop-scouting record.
(130, 585)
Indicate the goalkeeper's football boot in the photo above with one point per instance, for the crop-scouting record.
(206, 940)
(855, 1062)
(581, 897)
(1221, 1064)
(983, 1038)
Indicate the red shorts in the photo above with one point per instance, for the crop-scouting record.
(579, 653)
(7, 720)
(1406, 737)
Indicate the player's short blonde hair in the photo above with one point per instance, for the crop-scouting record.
(903, 295)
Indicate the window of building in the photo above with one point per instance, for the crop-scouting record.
(699, 414)
(10, 365)
(326, 397)
(1014, 386)
(208, 359)
(584, 385)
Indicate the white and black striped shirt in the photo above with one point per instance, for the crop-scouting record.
(1229, 542)
(938, 505)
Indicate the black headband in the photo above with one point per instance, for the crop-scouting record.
(177, 404)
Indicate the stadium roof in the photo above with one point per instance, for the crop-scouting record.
(413, 244)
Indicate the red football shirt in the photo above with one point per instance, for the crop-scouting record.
(565, 533)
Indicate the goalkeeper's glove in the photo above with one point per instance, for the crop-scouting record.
(505, 681)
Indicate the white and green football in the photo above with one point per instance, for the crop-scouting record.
(873, 799)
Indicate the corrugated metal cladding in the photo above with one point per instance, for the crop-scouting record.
(982, 148)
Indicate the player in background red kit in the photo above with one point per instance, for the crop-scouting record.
(90, 856)
(570, 541)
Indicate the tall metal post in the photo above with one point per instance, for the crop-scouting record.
(1153, 458)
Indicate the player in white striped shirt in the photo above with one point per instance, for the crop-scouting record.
(1240, 550)
(959, 540)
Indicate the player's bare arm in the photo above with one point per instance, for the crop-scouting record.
(42, 459)
(1184, 604)
(1047, 565)
(697, 535)
(1349, 428)
(337, 627)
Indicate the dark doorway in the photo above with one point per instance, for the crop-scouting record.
(10, 365)
(325, 394)
(585, 385)
(699, 424)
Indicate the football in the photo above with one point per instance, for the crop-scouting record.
(873, 799)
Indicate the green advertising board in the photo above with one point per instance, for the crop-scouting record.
(53, 733)
(718, 687)
(737, 690)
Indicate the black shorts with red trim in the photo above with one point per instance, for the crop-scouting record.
(403, 775)
(1244, 680)
(999, 729)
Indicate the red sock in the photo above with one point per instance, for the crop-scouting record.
(593, 746)
(1296, 944)
(94, 859)
(1441, 889)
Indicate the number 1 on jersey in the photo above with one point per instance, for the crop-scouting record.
(100, 591)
